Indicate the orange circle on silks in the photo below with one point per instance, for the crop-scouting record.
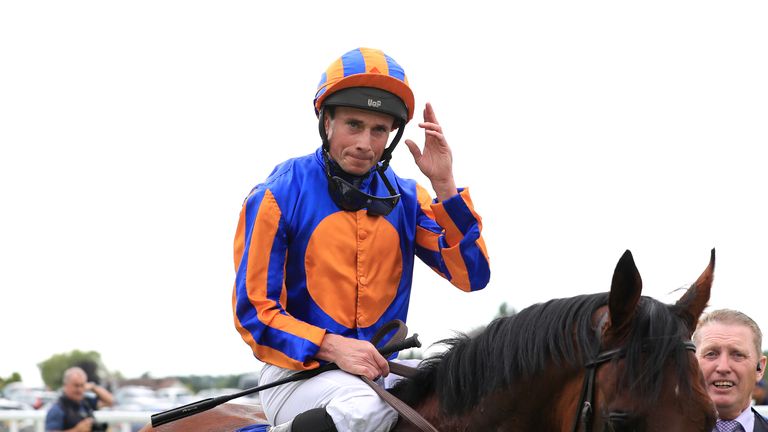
(353, 265)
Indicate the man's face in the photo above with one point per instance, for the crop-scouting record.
(727, 357)
(357, 138)
(74, 387)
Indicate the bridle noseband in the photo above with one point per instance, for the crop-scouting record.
(585, 407)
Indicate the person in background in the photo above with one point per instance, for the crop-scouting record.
(325, 247)
(728, 350)
(74, 409)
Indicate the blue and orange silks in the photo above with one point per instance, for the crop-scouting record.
(305, 268)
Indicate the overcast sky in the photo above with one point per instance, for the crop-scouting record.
(132, 131)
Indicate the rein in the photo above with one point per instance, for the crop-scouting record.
(401, 407)
(585, 407)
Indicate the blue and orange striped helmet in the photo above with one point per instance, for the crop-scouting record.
(367, 70)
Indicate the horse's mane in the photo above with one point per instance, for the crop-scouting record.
(558, 332)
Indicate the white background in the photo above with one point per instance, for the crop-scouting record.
(132, 131)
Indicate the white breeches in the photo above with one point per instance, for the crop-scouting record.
(353, 406)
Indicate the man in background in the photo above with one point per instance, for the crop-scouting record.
(74, 409)
(728, 349)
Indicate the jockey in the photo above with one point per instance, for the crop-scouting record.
(324, 248)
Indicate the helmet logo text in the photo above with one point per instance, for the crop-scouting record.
(374, 103)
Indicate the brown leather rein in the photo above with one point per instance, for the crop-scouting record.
(405, 411)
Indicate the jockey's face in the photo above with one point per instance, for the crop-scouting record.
(357, 138)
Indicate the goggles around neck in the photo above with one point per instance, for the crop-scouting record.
(350, 198)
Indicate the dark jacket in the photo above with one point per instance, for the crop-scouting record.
(66, 413)
(761, 423)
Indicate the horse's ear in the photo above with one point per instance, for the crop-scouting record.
(693, 302)
(625, 293)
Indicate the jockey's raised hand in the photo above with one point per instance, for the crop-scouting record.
(355, 356)
(436, 160)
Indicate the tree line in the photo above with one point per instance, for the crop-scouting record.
(52, 373)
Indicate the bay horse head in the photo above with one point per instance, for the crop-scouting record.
(615, 361)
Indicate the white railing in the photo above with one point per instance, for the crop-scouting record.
(119, 421)
(762, 409)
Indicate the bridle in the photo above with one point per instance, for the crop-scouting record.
(585, 407)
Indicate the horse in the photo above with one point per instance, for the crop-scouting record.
(227, 417)
(615, 361)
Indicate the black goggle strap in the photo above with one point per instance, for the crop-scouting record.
(380, 169)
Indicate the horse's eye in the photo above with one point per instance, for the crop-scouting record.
(622, 422)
